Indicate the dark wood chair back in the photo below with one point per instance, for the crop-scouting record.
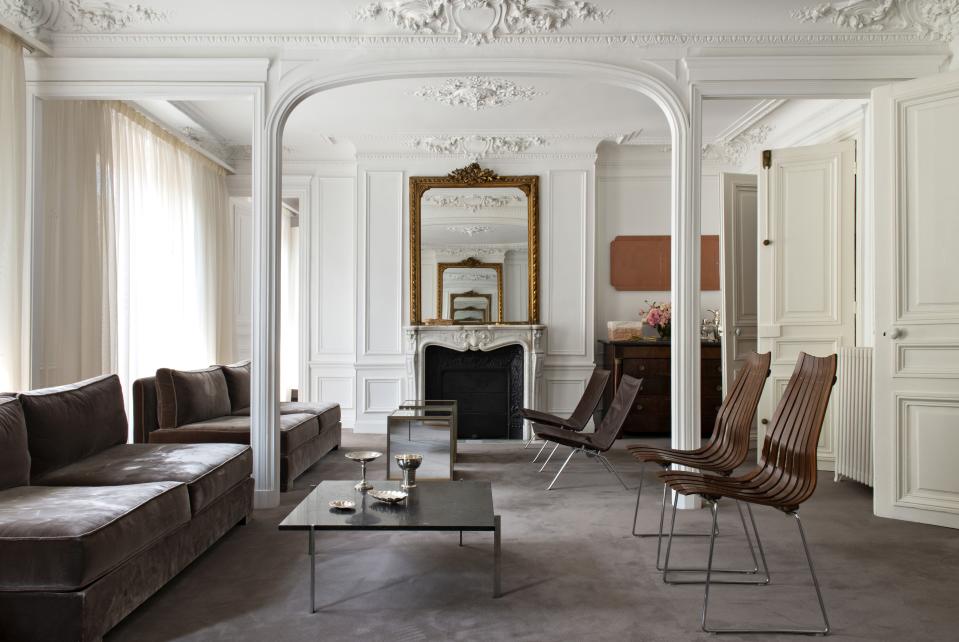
(788, 461)
(729, 443)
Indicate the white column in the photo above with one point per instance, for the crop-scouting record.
(685, 289)
(265, 348)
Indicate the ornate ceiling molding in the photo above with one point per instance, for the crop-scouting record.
(473, 202)
(477, 92)
(736, 150)
(929, 19)
(468, 230)
(86, 16)
(482, 21)
(476, 147)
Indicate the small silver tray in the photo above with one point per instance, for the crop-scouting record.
(363, 455)
(388, 496)
(342, 504)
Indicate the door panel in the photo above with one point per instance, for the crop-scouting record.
(807, 268)
(916, 404)
(738, 272)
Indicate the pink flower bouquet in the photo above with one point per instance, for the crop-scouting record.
(659, 316)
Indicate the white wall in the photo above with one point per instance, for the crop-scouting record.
(632, 185)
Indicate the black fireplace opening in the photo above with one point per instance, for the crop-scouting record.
(488, 388)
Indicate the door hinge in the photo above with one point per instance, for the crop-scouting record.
(767, 158)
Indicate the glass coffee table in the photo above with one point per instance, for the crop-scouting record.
(430, 506)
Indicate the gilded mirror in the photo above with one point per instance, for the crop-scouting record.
(473, 248)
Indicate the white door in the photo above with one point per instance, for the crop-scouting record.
(807, 267)
(916, 406)
(738, 276)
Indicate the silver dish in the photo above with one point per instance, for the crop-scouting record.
(343, 504)
(388, 496)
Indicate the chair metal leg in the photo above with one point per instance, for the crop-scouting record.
(551, 453)
(759, 579)
(794, 631)
(662, 516)
(563, 467)
(540, 451)
(603, 460)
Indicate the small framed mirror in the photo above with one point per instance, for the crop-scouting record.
(474, 243)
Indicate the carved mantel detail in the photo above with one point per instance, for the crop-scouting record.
(477, 338)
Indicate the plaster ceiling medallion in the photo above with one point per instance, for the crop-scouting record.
(736, 150)
(930, 19)
(481, 21)
(34, 16)
(473, 202)
(477, 92)
(468, 230)
(476, 147)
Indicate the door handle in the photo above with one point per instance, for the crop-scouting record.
(894, 333)
(738, 331)
(764, 422)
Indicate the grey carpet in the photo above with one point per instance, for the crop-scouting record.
(571, 569)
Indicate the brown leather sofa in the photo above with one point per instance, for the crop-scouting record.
(213, 406)
(90, 526)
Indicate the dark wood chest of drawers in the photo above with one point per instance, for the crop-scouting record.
(650, 361)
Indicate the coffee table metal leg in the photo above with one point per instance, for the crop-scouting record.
(312, 571)
(497, 576)
(461, 538)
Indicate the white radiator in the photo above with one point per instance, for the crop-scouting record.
(853, 425)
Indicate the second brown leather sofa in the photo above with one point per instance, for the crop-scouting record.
(213, 406)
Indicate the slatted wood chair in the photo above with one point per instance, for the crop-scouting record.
(785, 477)
(725, 451)
(581, 413)
(596, 444)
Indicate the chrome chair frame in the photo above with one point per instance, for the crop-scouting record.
(589, 453)
(742, 631)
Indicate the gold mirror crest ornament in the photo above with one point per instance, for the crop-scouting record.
(473, 175)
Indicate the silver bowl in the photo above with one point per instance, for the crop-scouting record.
(363, 456)
(343, 504)
(388, 496)
(408, 463)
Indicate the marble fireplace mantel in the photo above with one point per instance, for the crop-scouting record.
(477, 337)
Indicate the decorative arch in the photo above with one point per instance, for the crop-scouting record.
(313, 78)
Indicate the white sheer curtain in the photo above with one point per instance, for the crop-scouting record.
(150, 249)
(12, 228)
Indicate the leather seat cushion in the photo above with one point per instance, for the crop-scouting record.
(208, 470)
(73, 422)
(64, 538)
(14, 456)
(328, 413)
(189, 396)
(295, 430)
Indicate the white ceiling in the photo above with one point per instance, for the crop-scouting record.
(370, 115)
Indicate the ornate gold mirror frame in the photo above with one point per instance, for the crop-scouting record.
(472, 294)
(471, 263)
(474, 176)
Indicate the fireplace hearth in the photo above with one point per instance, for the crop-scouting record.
(488, 387)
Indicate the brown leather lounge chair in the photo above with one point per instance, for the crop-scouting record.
(785, 477)
(599, 442)
(581, 413)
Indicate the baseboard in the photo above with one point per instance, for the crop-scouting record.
(266, 498)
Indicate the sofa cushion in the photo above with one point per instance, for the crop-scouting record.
(73, 422)
(64, 538)
(188, 396)
(329, 413)
(295, 430)
(14, 455)
(238, 384)
(208, 470)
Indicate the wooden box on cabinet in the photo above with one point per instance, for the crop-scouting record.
(650, 361)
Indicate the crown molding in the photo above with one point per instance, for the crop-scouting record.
(813, 67)
(936, 20)
(750, 118)
(37, 17)
(309, 41)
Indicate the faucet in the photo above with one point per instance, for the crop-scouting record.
(715, 324)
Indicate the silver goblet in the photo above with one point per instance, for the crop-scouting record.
(363, 457)
(408, 464)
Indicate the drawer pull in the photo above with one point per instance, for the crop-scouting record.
(639, 406)
(719, 388)
(719, 369)
(642, 367)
